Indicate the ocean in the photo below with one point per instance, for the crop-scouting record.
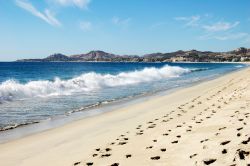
(34, 92)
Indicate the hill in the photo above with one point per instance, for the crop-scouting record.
(237, 55)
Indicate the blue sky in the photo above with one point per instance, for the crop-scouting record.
(36, 29)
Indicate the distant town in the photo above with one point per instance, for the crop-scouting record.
(238, 55)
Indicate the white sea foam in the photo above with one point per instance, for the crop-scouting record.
(239, 66)
(13, 90)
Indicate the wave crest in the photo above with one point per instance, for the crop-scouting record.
(13, 90)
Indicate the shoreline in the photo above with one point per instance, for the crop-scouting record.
(76, 141)
(96, 109)
(90, 111)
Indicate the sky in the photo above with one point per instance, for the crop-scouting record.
(37, 29)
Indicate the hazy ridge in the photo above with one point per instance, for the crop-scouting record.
(240, 54)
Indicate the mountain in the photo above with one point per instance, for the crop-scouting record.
(94, 56)
(240, 54)
(102, 56)
(57, 57)
(52, 58)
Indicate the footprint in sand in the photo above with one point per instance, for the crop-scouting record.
(122, 143)
(149, 147)
(108, 149)
(240, 128)
(77, 163)
(151, 126)
(174, 142)
(163, 149)
(209, 161)
(242, 154)
(155, 158)
(192, 106)
(225, 142)
(140, 133)
(193, 155)
(224, 151)
(246, 141)
(205, 140)
(240, 120)
(128, 155)
(222, 128)
(105, 155)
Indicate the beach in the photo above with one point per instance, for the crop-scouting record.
(205, 124)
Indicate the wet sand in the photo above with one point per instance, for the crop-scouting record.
(206, 124)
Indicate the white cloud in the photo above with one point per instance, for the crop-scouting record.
(190, 21)
(86, 25)
(216, 31)
(46, 16)
(220, 26)
(228, 36)
(120, 21)
(77, 3)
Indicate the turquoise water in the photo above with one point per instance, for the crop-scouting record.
(32, 92)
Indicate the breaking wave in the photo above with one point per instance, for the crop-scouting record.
(13, 90)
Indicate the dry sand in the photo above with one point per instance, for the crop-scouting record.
(207, 124)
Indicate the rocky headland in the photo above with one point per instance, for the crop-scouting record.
(238, 55)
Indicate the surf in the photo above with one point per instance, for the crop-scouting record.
(13, 90)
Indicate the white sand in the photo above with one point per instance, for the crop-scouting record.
(195, 122)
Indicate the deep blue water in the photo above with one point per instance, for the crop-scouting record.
(32, 92)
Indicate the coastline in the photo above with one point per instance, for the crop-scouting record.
(23, 130)
(76, 141)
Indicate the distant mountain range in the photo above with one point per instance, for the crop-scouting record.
(240, 54)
